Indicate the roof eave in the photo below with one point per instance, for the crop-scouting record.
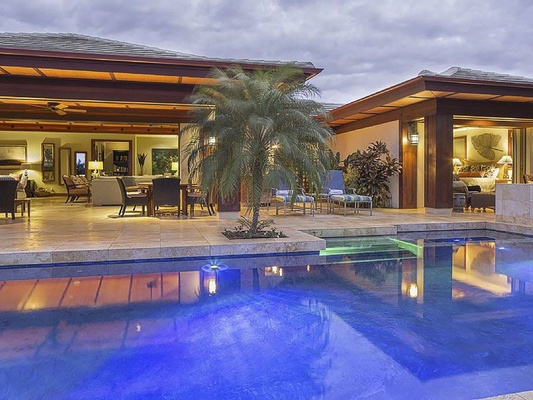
(207, 63)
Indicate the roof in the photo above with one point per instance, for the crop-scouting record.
(476, 75)
(91, 45)
(456, 83)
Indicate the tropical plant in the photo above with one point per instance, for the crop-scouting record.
(257, 129)
(369, 171)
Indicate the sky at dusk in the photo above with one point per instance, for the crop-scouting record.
(363, 46)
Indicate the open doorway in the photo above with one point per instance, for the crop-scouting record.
(116, 156)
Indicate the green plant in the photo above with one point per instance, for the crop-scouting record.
(369, 171)
(244, 230)
(334, 159)
(256, 130)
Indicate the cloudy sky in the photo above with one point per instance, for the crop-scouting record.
(363, 46)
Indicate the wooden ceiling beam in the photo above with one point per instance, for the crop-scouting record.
(129, 118)
(485, 108)
(78, 128)
(79, 89)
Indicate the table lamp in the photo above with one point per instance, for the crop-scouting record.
(175, 167)
(506, 160)
(456, 165)
(96, 167)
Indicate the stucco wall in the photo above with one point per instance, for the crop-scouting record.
(347, 143)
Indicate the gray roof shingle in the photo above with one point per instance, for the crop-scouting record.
(84, 44)
(477, 75)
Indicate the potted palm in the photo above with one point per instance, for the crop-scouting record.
(257, 129)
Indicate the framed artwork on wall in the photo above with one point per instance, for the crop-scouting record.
(162, 160)
(80, 163)
(11, 156)
(459, 147)
(49, 166)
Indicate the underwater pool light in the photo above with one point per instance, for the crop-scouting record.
(213, 267)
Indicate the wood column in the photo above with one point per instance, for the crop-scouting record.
(439, 168)
(408, 159)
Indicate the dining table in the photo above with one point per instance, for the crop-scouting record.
(148, 187)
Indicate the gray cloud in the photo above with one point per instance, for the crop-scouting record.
(363, 46)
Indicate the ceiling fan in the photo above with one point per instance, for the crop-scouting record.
(60, 108)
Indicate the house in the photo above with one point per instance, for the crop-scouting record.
(67, 99)
(468, 117)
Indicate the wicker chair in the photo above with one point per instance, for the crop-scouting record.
(76, 189)
(8, 192)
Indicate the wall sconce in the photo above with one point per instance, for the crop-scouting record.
(96, 167)
(506, 161)
(412, 133)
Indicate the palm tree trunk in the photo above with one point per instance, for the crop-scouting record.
(255, 219)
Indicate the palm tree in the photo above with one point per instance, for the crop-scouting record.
(257, 129)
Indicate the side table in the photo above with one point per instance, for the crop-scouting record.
(23, 203)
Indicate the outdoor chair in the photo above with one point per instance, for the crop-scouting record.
(131, 199)
(76, 189)
(8, 192)
(333, 184)
(338, 195)
(203, 199)
(285, 197)
(166, 196)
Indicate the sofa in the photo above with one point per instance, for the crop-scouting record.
(106, 192)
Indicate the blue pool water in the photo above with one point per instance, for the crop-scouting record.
(418, 316)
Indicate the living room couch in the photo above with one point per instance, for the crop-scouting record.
(106, 192)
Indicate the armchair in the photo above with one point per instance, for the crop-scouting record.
(8, 192)
(76, 187)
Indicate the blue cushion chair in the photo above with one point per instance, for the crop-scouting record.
(284, 197)
(336, 194)
(346, 199)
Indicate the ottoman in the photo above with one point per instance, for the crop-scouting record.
(483, 200)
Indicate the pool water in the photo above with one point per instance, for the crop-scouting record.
(419, 316)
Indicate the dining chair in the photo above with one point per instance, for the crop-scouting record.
(131, 198)
(166, 196)
(196, 196)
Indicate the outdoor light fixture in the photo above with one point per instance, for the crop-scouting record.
(412, 133)
(506, 161)
(96, 167)
(211, 141)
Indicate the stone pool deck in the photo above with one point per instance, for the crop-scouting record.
(79, 232)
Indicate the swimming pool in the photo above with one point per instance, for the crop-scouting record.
(435, 315)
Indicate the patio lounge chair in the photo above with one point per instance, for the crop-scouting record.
(333, 184)
(337, 194)
(285, 197)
